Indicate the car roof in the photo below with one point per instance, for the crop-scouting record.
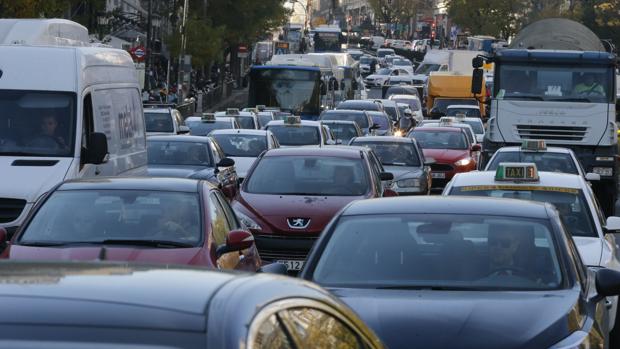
(447, 205)
(547, 179)
(178, 138)
(468, 106)
(549, 150)
(303, 123)
(387, 102)
(440, 128)
(392, 97)
(356, 101)
(132, 183)
(343, 111)
(157, 110)
(384, 139)
(241, 113)
(343, 122)
(344, 152)
(235, 131)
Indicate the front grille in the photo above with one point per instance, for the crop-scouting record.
(438, 183)
(274, 255)
(552, 133)
(10, 209)
(284, 247)
(441, 167)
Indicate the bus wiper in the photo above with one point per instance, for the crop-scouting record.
(149, 243)
(530, 97)
(573, 99)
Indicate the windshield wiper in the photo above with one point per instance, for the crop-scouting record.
(149, 243)
(573, 99)
(530, 97)
(41, 243)
(429, 287)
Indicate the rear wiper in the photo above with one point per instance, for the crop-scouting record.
(149, 243)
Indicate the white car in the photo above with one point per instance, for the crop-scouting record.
(294, 132)
(414, 104)
(465, 110)
(163, 121)
(202, 126)
(475, 123)
(244, 146)
(571, 195)
(379, 78)
(403, 63)
(246, 119)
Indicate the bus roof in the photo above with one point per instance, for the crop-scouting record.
(287, 67)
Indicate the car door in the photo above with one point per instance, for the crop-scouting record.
(220, 227)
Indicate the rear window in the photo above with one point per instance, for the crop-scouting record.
(199, 128)
(439, 139)
(545, 161)
(360, 119)
(296, 135)
(158, 122)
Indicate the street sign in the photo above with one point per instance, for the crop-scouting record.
(138, 53)
(282, 48)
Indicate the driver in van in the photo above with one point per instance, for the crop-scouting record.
(48, 127)
(589, 86)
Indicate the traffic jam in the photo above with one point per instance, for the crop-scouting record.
(360, 198)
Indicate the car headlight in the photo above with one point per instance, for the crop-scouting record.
(463, 162)
(603, 171)
(247, 221)
(398, 133)
(576, 340)
(408, 183)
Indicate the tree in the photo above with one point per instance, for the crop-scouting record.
(488, 17)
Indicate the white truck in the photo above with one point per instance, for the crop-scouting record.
(67, 110)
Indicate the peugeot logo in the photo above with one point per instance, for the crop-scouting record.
(298, 223)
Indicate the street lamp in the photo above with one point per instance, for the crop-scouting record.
(305, 7)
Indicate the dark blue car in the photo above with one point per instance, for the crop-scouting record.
(429, 272)
(105, 305)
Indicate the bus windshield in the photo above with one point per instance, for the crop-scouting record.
(289, 89)
(327, 41)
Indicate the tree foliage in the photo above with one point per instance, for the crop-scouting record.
(398, 11)
(490, 17)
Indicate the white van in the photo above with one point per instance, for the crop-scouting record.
(67, 110)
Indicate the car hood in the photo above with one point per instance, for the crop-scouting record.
(112, 253)
(590, 249)
(402, 172)
(242, 165)
(375, 76)
(446, 155)
(481, 320)
(28, 177)
(275, 209)
(198, 172)
(420, 77)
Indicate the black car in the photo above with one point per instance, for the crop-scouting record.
(194, 157)
(109, 305)
(363, 120)
(360, 104)
(432, 272)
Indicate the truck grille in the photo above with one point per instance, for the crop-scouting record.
(441, 167)
(10, 209)
(559, 133)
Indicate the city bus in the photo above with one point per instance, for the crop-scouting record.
(328, 39)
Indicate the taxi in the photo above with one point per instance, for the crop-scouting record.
(572, 196)
(294, 132)
(246, 119)
(203, 125)
(550, 159)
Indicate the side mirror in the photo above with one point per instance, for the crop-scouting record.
(387, 193)
(183, 129)
(226, 162)
(477, 79)
(4, 236)
(374, 127)
(475, 147)
(435, 113)
(612, 225)
(236, 240)
(97, 152)
(429, 161)
(477, 62)
(330, 142)
(274, 268)
(386, 176)
(338, 141)
(607, 283)
(593, 177)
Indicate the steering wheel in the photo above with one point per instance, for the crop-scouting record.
(592, 93)
(44, 141)
(515, 271)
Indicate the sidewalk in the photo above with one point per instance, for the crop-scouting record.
(237, 99)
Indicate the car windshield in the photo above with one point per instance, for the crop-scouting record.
(383, 53)
(34, 123)
(239, 145)
(343, 132)
(393, 154)
(246, 122)
(545, 161)
(263, 119)
(557, 81)
(439, 139)
(382, 121)
(158, 122)
(413, 104)
(476, 126)
(358, 105)
(400, 62)
(96, 217)
(366, 60)
(178, 153)
(391, 112)
(440, 251)
(571, 203)
(360, 118)
(308, 175)
(466, 112)
(426, 68)
(296, 135)
(199, 128)
(442, 104)
(383, 71)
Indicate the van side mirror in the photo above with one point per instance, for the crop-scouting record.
(97, 152)
(477, 79)
(183, 129)
(477, 62)
(386, 176)
(226, 162)
(476, 147)
(236, 240)
(607, 283)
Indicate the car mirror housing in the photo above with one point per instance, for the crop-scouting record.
(612, 224)
(183, 129)
(236, 240)
(226, 162)
(593, 177)
(386, 176)
(274, 268)
(475, 147)
(429, 161)
(607, 282)
(97, 152)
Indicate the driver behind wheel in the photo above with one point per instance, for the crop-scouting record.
(48, 129)
(503, 245)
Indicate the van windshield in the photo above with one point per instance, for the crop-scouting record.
(37, 123)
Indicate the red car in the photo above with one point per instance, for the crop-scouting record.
(451, 150)
(290, 195)
(147, 220)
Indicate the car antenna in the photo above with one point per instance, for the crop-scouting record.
(102, 254)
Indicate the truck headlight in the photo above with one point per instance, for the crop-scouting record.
(247, 221)
(462, 162)
(603, 171)
(408, 183)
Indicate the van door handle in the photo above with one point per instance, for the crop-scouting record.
(608, 303)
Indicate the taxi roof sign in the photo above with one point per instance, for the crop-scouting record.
(534, 145)
(207, 117)
(232, 111)
(517, 172)
(292, 120)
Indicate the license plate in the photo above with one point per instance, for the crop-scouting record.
(438, 175)
(292, 265)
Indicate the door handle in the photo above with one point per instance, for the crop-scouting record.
(608, 303)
